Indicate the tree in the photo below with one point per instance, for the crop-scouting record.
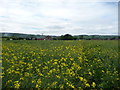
(75, 37)
(81, 37)
(67, 37)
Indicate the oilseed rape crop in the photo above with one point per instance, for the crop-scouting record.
(79, 64)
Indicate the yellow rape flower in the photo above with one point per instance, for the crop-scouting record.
(71, 59)
(21, 78)
(81, 78)
(80, 59)
(54, 83)
(16, 84)
(55, 60)
(0, 61)
(90, 73)
(69, 84)
(40, 74)
(72, 86)
(55, 63)
(37, 86)
(58, 76)
(9, 81)
(87, 85)
(103, 71)
(61, 86)
(93, 84)
(39, 81)
(33, 81)
(27, 74)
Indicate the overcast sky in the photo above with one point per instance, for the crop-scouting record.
(59, 17)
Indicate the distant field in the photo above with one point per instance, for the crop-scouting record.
(60, 64)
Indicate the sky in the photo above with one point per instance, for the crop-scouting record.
(59, 17)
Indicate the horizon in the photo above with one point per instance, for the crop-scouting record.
(64, 34)
(59, 17)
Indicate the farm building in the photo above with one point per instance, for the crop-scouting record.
(43, 37)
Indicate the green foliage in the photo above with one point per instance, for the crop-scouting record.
(67, 37)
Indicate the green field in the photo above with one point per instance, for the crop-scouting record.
(60, 64)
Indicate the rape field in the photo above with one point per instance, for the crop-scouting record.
(80, 64)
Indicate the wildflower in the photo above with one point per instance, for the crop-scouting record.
(90, 73)
(103, 71)
(81, 78)
(93, 84)
(37, 86)
(71, 59)
(1, 77)
(21, 78)
(39, 65)
(69, 84)
(61, 86)
(37, 70)
(54, 83)
(9, 81)
(26, 74)
(58, 76)
(55, 60)
(39, 81)
(16, 84)
(40, 74)
(84, 80)
(45, 67)
(87, 85)
(55, 63)
(33, 81)
(0, 61)
(72, 86)
(80, 59)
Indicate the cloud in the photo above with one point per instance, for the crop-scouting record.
(57, 17)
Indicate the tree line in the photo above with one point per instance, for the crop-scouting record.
(86, 37)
